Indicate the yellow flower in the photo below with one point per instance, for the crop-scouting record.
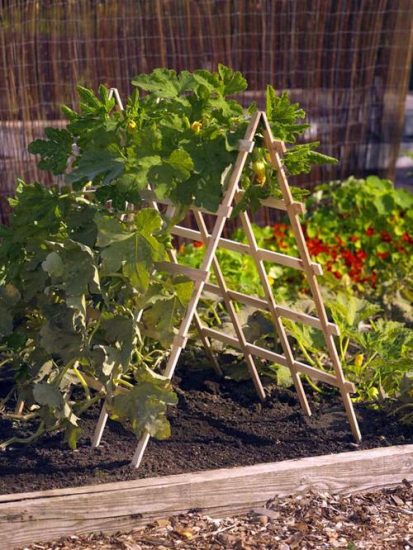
(261, 179)
(131, 125)
(358, 360)
(196, 127)
(259, 167)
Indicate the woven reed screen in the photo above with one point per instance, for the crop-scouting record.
(346, 61)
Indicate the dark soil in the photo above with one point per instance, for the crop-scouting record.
(216, 425)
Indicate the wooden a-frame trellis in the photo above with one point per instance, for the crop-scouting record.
(212, 241)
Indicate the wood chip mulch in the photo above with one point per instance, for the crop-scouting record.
(377, 520)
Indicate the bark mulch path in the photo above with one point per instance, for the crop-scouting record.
(376, 520)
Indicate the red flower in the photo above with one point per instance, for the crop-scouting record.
(370, 231)
(315, 246)
(354, 238)
(334, 250)
(350, 258)
(198, 244)
(279, 230)
(361, 254)
(383, 255)
(407, 238)
(385, 236)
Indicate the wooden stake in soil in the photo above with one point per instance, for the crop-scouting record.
(212, 241)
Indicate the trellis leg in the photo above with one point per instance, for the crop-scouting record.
(275, 149)
(100, 426)
(198, 325)
(222, 215)
(197, 320)
(231, 310)
(273, 311)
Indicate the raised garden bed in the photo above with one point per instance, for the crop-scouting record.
(112, 507)
(212, 423)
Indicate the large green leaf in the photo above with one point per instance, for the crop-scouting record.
(283, 116)
(164, 83)
(300, 159)
(110, 230)
(120, 334)
(176, 168)
(81, 224)
(142, 170)
(98, 162)
(47, 394)
(145, 405)
(348, 310)
(105, 358)
(233, 81)
(53, 265)
(161, 318)
(55, 151)
(61, 332)
(134, 252)
(72, 267)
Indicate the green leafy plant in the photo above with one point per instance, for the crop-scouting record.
(363, 229)
(87, 309)
(375, 354)
(405, 410)
(74, 281)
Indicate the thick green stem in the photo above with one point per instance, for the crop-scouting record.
(215, 315)
(88, 404)
(345, 348)
(307, 356)
(313, 385)
(24, 440)
(82, 382)
(65, 369)
(367, 363)
(123, 383)
(96, 328)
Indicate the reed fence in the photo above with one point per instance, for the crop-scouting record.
(346, 61)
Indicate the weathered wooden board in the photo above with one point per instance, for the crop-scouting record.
(46, 515)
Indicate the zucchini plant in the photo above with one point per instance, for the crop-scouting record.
(86, 311)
